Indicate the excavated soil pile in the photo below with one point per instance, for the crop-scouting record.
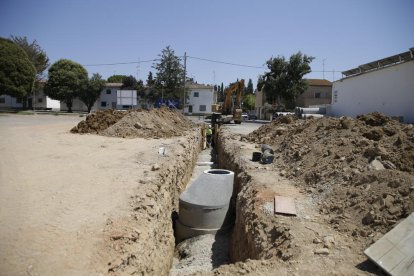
(360, 171)
(155, 123)
(99, 121)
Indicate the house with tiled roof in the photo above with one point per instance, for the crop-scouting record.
(318, 93)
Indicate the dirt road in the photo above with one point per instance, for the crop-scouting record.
(57, 189)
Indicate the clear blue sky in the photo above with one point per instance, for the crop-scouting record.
(345, 33)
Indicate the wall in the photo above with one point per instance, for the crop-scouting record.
(206, 97)
(389, 90)
(308, 97)
(10, 102)
(109, 99)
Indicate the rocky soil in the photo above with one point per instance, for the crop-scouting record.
(142, 243)
(359, 171)
(155, 123)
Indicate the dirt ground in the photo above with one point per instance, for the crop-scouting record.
(97, 204)
(351, 179)
(57, 191)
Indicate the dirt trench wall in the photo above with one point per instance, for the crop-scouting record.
(143, 243)
(254, 236)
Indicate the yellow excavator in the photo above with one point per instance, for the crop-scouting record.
(230, 110)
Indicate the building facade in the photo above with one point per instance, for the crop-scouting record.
(318, 93)
(385, 86)
(38, 101)
(200, 98)
(111, 97)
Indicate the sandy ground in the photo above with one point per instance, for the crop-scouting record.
(57, 189)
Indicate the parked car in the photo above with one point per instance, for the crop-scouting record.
(245, 116)
(252, 117)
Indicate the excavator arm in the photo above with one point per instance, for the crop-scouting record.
(228, 107)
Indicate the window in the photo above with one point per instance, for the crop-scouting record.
(202, 108)
(108, 91)
(2, 100)
(40, 100)
(103, 104)
(196, 94)
(335, 96)
(317, 95)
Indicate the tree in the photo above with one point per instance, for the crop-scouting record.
(67, 79)
(170, 74)
(249, 101)
(116, 78)
(152, 93)
(17, 73)
(129, 82)
(150, 79)
(284, 83)
(35, 53)
(249, 88)
(92, 91)
(220, 97)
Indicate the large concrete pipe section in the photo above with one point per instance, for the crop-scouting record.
(204, 206)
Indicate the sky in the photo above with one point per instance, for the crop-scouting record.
(340, 34)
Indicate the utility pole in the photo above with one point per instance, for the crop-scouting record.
(185, 69)
(323, 68)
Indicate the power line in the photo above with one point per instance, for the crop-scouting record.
(121, 63)
(228, 63)
(197, 58)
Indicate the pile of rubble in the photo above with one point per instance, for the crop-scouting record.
(155, 123)
(360, 171)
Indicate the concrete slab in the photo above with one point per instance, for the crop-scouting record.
(395, 251)
(285, 205)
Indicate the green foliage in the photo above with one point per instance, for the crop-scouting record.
(116, 78)
(35, 53)
(170, 74)
(249, 102)
(92, 91)
(129, 82)
(284, 83)
(67, 79)
(17, 73)
(220, 95)
(249, 88)
(150, 79)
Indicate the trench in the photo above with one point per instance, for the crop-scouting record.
(210, 251)
(205, 251)
(157, 210)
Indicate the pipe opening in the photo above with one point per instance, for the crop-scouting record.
(217, 171)
(202, 234)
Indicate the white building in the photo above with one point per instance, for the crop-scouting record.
(39, 102)
(111, 97)
(200, 98)
(385, 85)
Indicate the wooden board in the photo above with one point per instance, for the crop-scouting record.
(394, 252)
(285, 205)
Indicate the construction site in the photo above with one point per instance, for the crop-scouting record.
(140, 193)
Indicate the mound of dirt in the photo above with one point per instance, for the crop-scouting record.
(360, 171)
(99, 121)
(155, 123)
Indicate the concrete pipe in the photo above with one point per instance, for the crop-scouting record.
(204, 206)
